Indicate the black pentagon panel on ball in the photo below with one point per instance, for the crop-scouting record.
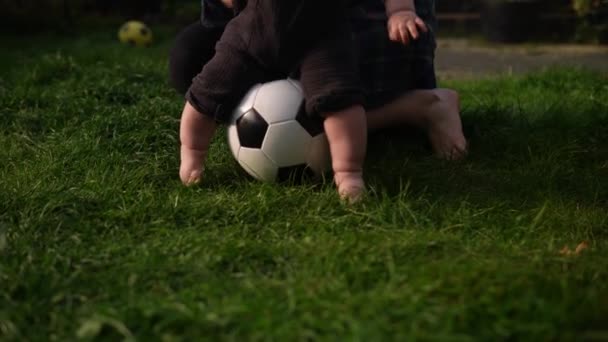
(297, 174)
(144, 31)
(251, 128)
(313, 124)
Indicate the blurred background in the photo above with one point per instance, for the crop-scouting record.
(493, 20)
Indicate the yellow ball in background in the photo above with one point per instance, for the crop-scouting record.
(135, 33)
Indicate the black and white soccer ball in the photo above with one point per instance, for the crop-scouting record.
(273, 138)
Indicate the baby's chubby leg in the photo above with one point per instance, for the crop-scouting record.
(332, 88)
(347, 135)
(220, 85)
(196, 132)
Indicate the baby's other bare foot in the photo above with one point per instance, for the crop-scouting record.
(445, 126)
(351, 186)
(191, 167)
(195, 132)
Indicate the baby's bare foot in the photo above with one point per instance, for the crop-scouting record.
(191, 167)
(196, 131)
(351, 186)
(445, 126)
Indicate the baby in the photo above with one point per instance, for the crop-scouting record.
(267, 40)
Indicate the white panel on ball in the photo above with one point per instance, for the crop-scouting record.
(278, 101)
(319, 157)
(286, 143)
(250, 171)
(233, 140)
(253, 159)
(246, 104)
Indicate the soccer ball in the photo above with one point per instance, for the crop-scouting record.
(273, 138)
(135, 33)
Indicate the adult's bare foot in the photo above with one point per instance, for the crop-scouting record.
(445, 126)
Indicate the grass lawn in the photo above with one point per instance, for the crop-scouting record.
(99, 240)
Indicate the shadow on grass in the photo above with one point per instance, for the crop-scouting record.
(511, 159)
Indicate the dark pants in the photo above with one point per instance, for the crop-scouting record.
(193, 47)
(387, 70)
(269, 39)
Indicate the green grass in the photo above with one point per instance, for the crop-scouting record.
(98, 239)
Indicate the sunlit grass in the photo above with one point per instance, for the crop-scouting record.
(98, 239)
